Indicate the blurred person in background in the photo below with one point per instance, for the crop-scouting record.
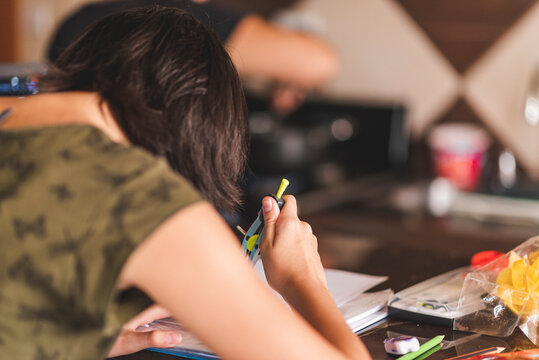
(292, 62)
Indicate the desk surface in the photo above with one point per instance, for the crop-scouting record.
(409, 249)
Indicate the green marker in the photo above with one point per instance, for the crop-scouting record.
(428, 353)
(423, 348)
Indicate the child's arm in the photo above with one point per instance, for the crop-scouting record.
(193, 266)
(293, 268)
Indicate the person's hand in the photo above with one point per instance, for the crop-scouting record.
(289, 250)
(130, 340)
(287, 98)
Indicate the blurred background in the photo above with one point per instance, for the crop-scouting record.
(420, 90)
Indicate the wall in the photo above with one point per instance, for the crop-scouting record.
(35, 21)
(7, 30)
(448, 60)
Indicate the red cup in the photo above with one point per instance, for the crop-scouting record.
(459, 153)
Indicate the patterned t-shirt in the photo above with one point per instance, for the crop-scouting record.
(73, 206)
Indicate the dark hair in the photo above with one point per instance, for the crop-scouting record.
(171, 87)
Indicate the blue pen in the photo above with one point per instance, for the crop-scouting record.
(251, 240)
(4, 115)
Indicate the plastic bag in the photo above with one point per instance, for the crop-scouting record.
(506, 294)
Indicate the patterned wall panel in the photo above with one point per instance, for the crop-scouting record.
(496, 86)
(450, 60)
(387, 57)
(465, 29)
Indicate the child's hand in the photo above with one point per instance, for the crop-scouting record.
(289, 249)
(130, 340)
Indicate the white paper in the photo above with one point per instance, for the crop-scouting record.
(343, 285)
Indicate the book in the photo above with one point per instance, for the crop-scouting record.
(360, 310)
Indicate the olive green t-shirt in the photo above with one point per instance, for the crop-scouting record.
(73, 206)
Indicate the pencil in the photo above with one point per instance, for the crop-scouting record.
(487, 351)
(423, 348)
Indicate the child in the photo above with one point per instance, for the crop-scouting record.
(106, 189)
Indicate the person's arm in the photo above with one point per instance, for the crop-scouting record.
(193, 266)
(293, 269)
(259, 48)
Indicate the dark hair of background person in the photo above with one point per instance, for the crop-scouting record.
(171, 87)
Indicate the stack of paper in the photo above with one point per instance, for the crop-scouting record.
(366, 309)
